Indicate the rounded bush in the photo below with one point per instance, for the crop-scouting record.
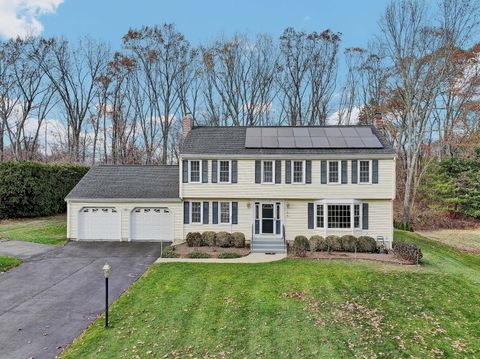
(366, 244)
(317, 243)
(198, 255)
(334, 243)
(169, 252)
(349, 243)
(209, 238)
(238, 239)
(300, 246)
(194, 239)
(224, 239)
(229, 255)
(409, 252)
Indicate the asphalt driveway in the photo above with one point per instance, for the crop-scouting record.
(58, 291)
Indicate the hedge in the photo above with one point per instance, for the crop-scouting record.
(34, 189)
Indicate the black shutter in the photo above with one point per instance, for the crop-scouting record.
(205, 212)
(364, 215)
(258, 171)
(308, 170)
(375, 171)
(185, 171)
(278, 171)
(234, 171)
(234, 212)
(354, 171)
(310, 216)
(215, 212)
(186, 212)
(214, 171)
(204, 171)
(344, 172)
(323, 172)
(288, 171)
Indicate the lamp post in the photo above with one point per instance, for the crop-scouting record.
(106, 273)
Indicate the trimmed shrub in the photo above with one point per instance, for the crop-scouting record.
(209, 238)
(349, 243)
(300, 246)
(198, 255)
(224, 239)
(409, 252)
(366, 244)
(317, 243)
(238, 239)
(229, 255)
(194, 239)
(169, 252)
(34, 189)
(333, 243)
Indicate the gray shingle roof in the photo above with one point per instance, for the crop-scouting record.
(230, 140)
(127, 182)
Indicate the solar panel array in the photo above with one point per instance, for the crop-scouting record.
(311, 137)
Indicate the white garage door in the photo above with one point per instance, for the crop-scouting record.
(98, 224)
(151, 224)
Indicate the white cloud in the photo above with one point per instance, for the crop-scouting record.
(21, 17)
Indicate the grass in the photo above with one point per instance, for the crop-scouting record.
(464, 239)
(47, 230)
(296, 308)
(7, 263)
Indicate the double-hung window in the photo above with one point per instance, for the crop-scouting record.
(267, 169)
(356, 216)
(224, 172)
(196, 211)
(364, 169)
(194, 171)
(320, 216)
(298, 169)
(225, 212)
(333, 172)
(339, 216)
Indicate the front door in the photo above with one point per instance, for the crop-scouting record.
(267, 218)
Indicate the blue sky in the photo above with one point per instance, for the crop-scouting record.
(201, 21)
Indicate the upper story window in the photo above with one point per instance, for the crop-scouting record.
(196, 212)
(298, 170)
(195, 170)
(267, 171)
(333, 172)
(224, 172)
(364, 174)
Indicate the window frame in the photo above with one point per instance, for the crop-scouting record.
(263, 172)
(229, 172)
(199, 171)
(351, 203)
(339, 172)
(220, 212)
(323, 215)
(293, 172)
(370, 172)
(191, 212)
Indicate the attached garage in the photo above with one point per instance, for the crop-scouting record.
(151, 224)
(99, 223)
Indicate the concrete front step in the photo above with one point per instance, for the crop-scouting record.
(268, 246)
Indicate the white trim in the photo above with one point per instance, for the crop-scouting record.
(339, 163)
(304, 174)
(190, 171)
(291, 156)
(282, 218)
(191, 212)
(123, 200)
(273, 172)
(229, 172)
(370, 172)
(327, 202)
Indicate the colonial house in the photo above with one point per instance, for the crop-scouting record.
(271, 183)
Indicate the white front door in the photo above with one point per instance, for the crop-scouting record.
(99, 223)
(151, 224)
(268, 218)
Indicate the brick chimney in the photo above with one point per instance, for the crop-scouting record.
(187, 124)
(378, 120)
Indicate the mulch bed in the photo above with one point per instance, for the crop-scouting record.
(183, 249)
(378, 257)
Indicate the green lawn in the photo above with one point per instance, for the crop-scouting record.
(48, 230)
(7, 263)
(295, 308)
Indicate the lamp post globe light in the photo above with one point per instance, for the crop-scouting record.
(106, 273)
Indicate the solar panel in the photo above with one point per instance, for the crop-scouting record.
(316, 132)
(372, 142)
(269, 131)
(354, 142)
(269, 142)
(348, 132)
(337, 142)
(286, 142)
(303, 142)
(320, 142)
(285, 132)
(300, 132)
(364, 131)
(253, 141)
(254, 131)
(332, 132)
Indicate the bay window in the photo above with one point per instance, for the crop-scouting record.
(338, 215)
(320, 216)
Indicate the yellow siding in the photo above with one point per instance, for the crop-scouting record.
(247, 188)
(73, 209)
